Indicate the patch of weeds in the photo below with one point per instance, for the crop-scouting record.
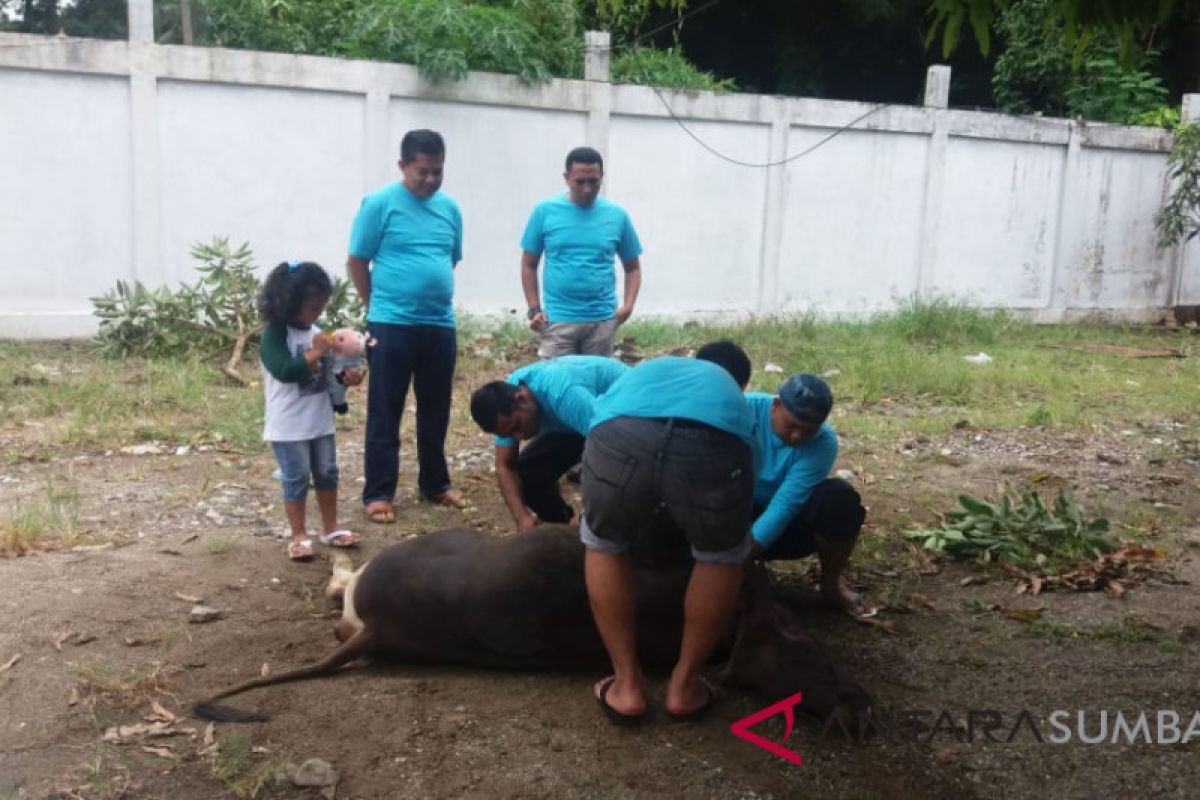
(240, 769)
(1039, 417)
(220, 545)
(1126, 632)
(1018, 529)
(48, 521)
(1170, 647)
(105, 776)
(1044, 629)
(130, 689)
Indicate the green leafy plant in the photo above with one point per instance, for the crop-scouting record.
(1179, 218)
(214, 317)
(1162, 117)
(1018, 529)
(651, 66)
(1043, 70)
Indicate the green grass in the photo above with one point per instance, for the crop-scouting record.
(901, 373)
(84, 401)
(1128, 631)
(905, 372)
(220, 546)
(49, 519)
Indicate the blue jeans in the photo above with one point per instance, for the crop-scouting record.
(297, 460)
(423, 355)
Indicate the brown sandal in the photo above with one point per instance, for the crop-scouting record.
(380, 512)
(449, 498)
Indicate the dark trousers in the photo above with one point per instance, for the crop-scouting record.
(833, 513)
(423, 355)
(540, 465)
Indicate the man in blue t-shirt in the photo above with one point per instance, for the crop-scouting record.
(404, 245)
(548, 404)
(799, 510)
(672, 434)
(579, 233)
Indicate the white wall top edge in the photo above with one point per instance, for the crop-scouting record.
(219, 65)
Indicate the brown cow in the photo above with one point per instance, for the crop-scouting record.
(463, 597)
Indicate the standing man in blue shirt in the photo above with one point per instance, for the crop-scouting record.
(549, 405)
(405, 242)
(579, 233)
(799, 510)
(673, 433)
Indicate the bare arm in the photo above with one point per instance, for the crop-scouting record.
(633, 284)
(360, 276)
(529, 285)
(510, 487)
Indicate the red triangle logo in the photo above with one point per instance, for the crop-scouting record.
(741, 728)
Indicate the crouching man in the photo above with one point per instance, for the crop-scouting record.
(548, 404)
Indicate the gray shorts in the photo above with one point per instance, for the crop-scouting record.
(703, 477)
(578, 338)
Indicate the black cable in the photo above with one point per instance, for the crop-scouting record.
(801, 154)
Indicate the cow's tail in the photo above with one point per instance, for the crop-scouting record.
(353, 649)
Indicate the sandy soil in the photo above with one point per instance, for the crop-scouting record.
(103, 633)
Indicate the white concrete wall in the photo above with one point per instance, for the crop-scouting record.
(115, 157)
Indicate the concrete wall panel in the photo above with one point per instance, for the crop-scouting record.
(279, 168)
(1113, 261)
(996, 235)
(65, 192)
(699, 217)
(852, 221)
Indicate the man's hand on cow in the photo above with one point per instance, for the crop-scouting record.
(526, 522)
(623, 314)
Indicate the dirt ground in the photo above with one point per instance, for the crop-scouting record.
(104, 633)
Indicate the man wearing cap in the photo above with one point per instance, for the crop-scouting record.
(798, 509)
(550, 405)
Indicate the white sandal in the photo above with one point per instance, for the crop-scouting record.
(342, 538)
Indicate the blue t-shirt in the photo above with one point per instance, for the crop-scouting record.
(579, 281)
(414, 245)
(680, 387)
(566, 389)
(787, 473)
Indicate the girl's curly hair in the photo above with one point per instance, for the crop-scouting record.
(288, 286)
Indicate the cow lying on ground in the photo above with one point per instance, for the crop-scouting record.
(463, 597)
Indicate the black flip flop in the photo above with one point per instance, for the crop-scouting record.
(614, 716)
(701, 711)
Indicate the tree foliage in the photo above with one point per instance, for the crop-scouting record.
(1040, 72)
(1131, 22)
(1179, 218)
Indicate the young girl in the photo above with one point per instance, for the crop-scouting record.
(298, 412)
